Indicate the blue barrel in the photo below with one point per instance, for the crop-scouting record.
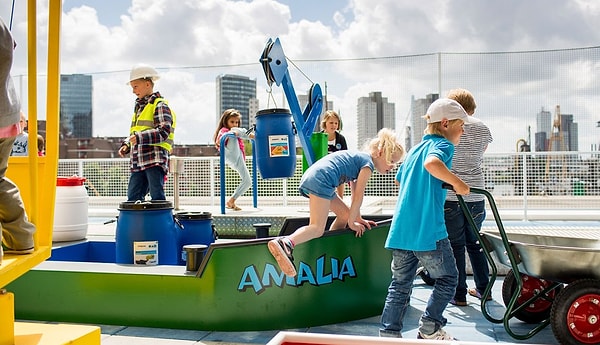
(197, 229)
(275, 143)
(147, 234)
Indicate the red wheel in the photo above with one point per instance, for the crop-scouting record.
(538, 310)
(576, 313)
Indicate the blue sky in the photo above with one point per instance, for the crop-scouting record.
(109, 11)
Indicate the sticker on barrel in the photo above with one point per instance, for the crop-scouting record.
(279, 146)
(145, 253)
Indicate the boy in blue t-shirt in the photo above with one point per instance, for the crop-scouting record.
(421, 236)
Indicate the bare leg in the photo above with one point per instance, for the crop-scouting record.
(340, 190)
(319, 211)
(341, 210)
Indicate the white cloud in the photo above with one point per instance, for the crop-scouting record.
(191, 42)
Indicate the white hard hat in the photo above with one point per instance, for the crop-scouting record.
(142, 71)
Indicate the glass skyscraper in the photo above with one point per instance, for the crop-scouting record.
(76, 106)
(238, 92)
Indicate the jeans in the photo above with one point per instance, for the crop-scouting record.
(151, 179)
(441, 266)
(461, 234)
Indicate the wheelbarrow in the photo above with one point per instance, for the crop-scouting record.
(552, 280)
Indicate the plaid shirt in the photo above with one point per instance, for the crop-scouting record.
(144, 155)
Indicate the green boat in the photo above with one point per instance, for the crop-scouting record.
(238, 286)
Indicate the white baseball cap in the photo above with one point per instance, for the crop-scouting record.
(445, 108)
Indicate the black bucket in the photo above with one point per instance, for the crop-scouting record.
(194, 253)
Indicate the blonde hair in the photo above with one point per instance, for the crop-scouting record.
(436, 127)
(329, 114)
(464, 98)
(386, 141)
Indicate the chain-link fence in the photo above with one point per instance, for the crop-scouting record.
(551, 180)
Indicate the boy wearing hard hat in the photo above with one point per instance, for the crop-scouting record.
(150, 137)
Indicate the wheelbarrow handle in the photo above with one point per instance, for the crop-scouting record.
(474, 190)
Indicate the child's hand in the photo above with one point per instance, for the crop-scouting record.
(361, 225)
(461, 188)
(123, 150)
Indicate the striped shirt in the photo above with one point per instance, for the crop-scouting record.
(468, 158)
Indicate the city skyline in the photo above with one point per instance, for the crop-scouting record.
(76, 114)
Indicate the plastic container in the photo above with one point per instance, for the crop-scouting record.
(275, 143)
(197, 229)
(147, 234)
(193, 255)
(70, 209)
(319, 144)
(262, 229)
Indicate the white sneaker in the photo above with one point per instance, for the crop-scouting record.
(440, 334)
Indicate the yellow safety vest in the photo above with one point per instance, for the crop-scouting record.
(146, 121)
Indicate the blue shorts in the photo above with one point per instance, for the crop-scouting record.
(314, 187)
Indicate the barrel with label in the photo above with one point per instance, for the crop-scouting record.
(275, 143)
(70, 209)
(147, 234)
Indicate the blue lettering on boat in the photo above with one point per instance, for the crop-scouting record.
(315, 275)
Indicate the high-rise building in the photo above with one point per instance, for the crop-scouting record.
(549, 138)
(418, 123)
(238, 92)
(543, 121)
(372, 114)
(570, 132)
(76, 106)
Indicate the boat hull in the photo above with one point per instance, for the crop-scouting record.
(238, 287)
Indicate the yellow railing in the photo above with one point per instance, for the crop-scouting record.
(36, 178)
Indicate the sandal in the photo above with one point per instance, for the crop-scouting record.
(458, 303)
(233, 207)
(475, 293)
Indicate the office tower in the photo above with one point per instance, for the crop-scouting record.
(570, 132)
(372, 114)
(253, 109)
(418, 123)
(76, 106)
(549, 137)
(238, 92)
(543, 121)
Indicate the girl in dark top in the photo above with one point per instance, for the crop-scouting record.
(332, 124)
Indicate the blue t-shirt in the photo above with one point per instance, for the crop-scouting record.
(323, 176)
(418, 221)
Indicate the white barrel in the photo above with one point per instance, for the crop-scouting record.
(70, 209)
